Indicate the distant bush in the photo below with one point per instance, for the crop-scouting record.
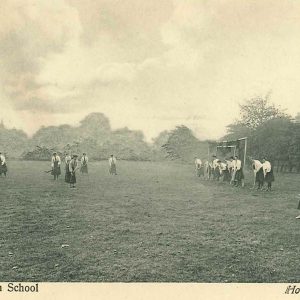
(40, 153)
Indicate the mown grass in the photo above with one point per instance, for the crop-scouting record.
(152, 222)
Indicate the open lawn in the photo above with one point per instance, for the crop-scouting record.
(152, 222)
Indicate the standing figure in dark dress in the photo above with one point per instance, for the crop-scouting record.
(3, 166)
(112, 161)
(68, 173)
(84, 164)
(55, 165)
(73, 167)
(268, 173)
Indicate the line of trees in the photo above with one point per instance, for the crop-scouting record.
(95, 136)
(271, 133)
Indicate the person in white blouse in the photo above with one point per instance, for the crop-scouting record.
(73, 167)
(207, 169)
(215, 167)
(224, 170)
(198, 163)
(55, 165)
(84, 163)
(2, 159)
(112, 161)
(198, 167)
(228, 170)
(268, 173)
(258, 172)
(233, 169)
(68, 173)
(3, 167)
(239, 174)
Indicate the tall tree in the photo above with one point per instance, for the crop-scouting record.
(183, 145)
(259, 110)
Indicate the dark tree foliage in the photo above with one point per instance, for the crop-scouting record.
(271, 133)
(13, 142)
(93, 136)
(183, 145)
(257, 111)
(39, 153)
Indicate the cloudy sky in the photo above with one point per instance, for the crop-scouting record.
(148, 65)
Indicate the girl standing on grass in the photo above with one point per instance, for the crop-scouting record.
(268, 173)
(198, 167)
(68, 173)
(73, 167)
(258, 173)
(84, 164)
(112, 161)
(3, 167)
(239, 174)
(55, 165)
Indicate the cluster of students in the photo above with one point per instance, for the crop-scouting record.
(72, 164)
(231, 170)
(263, 172)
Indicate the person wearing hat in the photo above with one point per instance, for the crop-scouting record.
(84, 164)
(68, 173)
(55, 165)
(73, 167)
(3, 167)
(112, 161)
(268, 173)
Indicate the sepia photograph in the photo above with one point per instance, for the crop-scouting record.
(149, 141)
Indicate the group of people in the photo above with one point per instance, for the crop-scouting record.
(231, 171)
(263, 172)
(72, 165)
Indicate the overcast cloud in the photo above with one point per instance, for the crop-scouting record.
(148, 65)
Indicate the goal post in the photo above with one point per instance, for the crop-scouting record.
(225, 149)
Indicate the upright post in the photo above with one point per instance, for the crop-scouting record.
(245, 152)
(208, 154)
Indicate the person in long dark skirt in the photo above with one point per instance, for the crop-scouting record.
(214, 167)
(232, 169)
(55, 164)
(225, 171)
(217, 170)
(207, 170)
(199, 167)
(258, 172)
(68, 173)
(239, 174)
(268, 174)
(73, 167)
(3, 166)
(112, 161)
(84, 164)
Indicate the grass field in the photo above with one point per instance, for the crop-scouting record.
(152, 222)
